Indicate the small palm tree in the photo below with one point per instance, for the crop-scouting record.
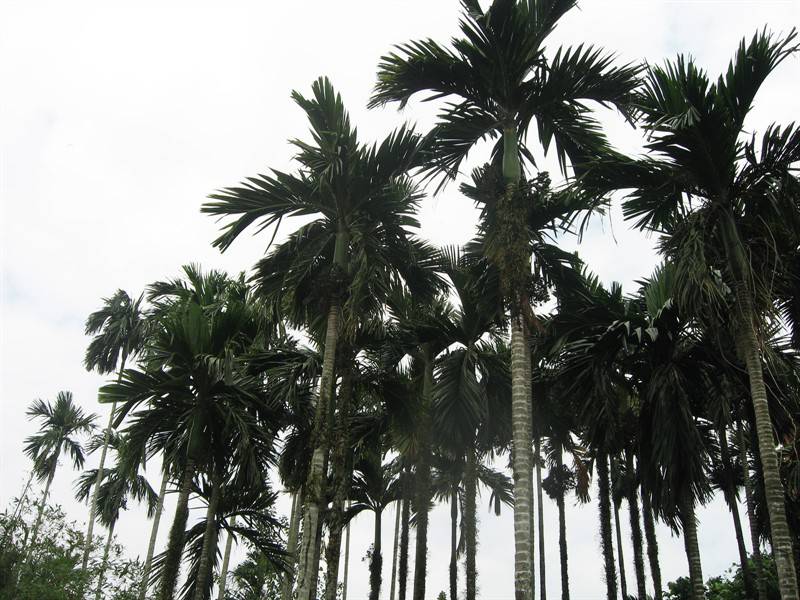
(61, 423)
(119, 330)
(119, 484)
(197, 402)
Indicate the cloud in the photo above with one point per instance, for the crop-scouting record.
(118, 120)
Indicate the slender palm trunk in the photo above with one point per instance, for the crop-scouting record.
(623, 582)
(405, 520)
(749, 348)
(470, 522)
(562, 536)
(346, 560)
(376, 564)
(308, 559)
(104, 565)
(732, 501)
(689, 524)
(540, 507)
(520, 409)
(87, 546)
(394, 551)
(423, 480)
(291, 545)
(454, 544)
(773, 488)
(226, 561)
(177, 536)
(652, 546)
(522, 471)
(151, 547)
(761, 584)
(636, 532)
(606, 535)
(40, 512)
(342, 476)
(210, 539)
(562, 547)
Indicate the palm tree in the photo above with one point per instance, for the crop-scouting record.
(718, 200)
(375, 486)
(421, 330)
(201, 406)
(119, 484)
(61, 422)
(119, 329)
(502, 82)
(151, 546)
(456, 481)
(363, 205)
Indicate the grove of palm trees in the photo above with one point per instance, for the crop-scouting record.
(512, 313)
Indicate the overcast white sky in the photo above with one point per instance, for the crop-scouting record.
(117, 119)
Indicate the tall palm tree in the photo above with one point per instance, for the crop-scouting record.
(119, 484)
(119, 329)
(718, 199)
(363, 206)
(502, 82)
(60, 425)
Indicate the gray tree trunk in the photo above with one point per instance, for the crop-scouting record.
(342, 477)
(87, 546)
(226, 561)
(749, 349)
(405, 519)
(606, 534)
(521, 463)
(689, 523)
(636, 532)
(376, 564)
(177, 536)
(394, 550)
(210, 539)
(423, 481)
(346, 573)
(471, 522)
(151, 547)
(623, 582)
(454, 544)
(540, 509)
(652, 546)
(761, 584)
(104, 565)
(308, 558)
(291, 544)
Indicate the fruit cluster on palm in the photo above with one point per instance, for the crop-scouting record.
(353, 340)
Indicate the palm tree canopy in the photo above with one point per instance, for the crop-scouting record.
(119, 329)
(119, 484)
(362, 204)
(500, 77)
(60, 423)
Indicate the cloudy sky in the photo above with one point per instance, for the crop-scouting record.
(117, 120)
